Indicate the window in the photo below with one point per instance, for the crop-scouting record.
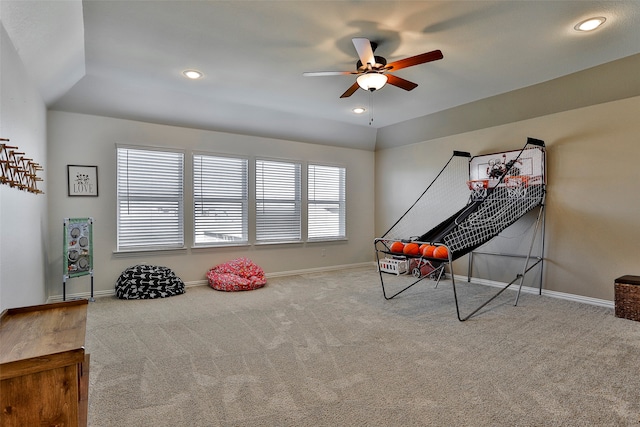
(326, 196)
(220, 200)
(150, 199)
(236, 200)
(278, 201)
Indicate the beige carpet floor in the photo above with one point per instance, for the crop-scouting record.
(326, 349)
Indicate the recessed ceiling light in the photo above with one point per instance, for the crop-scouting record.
(590, 24)
(192, 74)
(359, 110)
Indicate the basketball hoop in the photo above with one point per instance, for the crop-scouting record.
(478, 188)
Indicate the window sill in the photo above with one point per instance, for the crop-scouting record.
(213, 246)
(288, 242)
(138, 252)
(328, 240)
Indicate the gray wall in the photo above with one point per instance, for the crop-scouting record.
(91, 140)
(592, 232)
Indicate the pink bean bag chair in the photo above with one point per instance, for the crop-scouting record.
(240, 274)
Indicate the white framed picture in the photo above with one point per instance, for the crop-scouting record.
(82, 180)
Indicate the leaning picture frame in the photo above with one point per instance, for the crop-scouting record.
(82, 181)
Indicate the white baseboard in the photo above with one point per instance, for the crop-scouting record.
(545, 292)
(459, 278)
(320, 269)
(80, 295)
(112, 292)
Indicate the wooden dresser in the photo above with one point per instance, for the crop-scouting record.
(44, 371)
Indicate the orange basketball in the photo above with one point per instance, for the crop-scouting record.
(411, 249)
(428, 251)
(441, 252)
(397, 247)
(422, 246)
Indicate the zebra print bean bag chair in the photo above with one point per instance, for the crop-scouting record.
(240, 274)
(147, 282)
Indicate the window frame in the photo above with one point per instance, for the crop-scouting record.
(244, 201)
(179, 198)
(297, 201)
(341, 202)
(303, 202)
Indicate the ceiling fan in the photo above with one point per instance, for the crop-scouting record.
(374, 72)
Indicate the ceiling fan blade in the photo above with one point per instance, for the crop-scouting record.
(326, 73)
(400, 82)
(365, 52)
(415, 60)
(354, 87)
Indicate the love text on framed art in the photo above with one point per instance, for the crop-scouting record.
(82, 180)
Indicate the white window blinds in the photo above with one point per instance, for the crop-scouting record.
(150, 199)
(278, 201)
(326, 196)
(220, 200)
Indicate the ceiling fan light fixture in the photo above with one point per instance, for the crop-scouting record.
(371, 81)
(359, 110)
(192, 74)
(590, 24)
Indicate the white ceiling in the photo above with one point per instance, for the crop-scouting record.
(125, 58)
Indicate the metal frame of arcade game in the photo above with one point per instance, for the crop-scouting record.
(497, 193)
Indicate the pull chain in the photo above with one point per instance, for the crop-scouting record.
(370, 108)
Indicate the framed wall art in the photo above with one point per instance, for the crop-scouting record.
(82, 180)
